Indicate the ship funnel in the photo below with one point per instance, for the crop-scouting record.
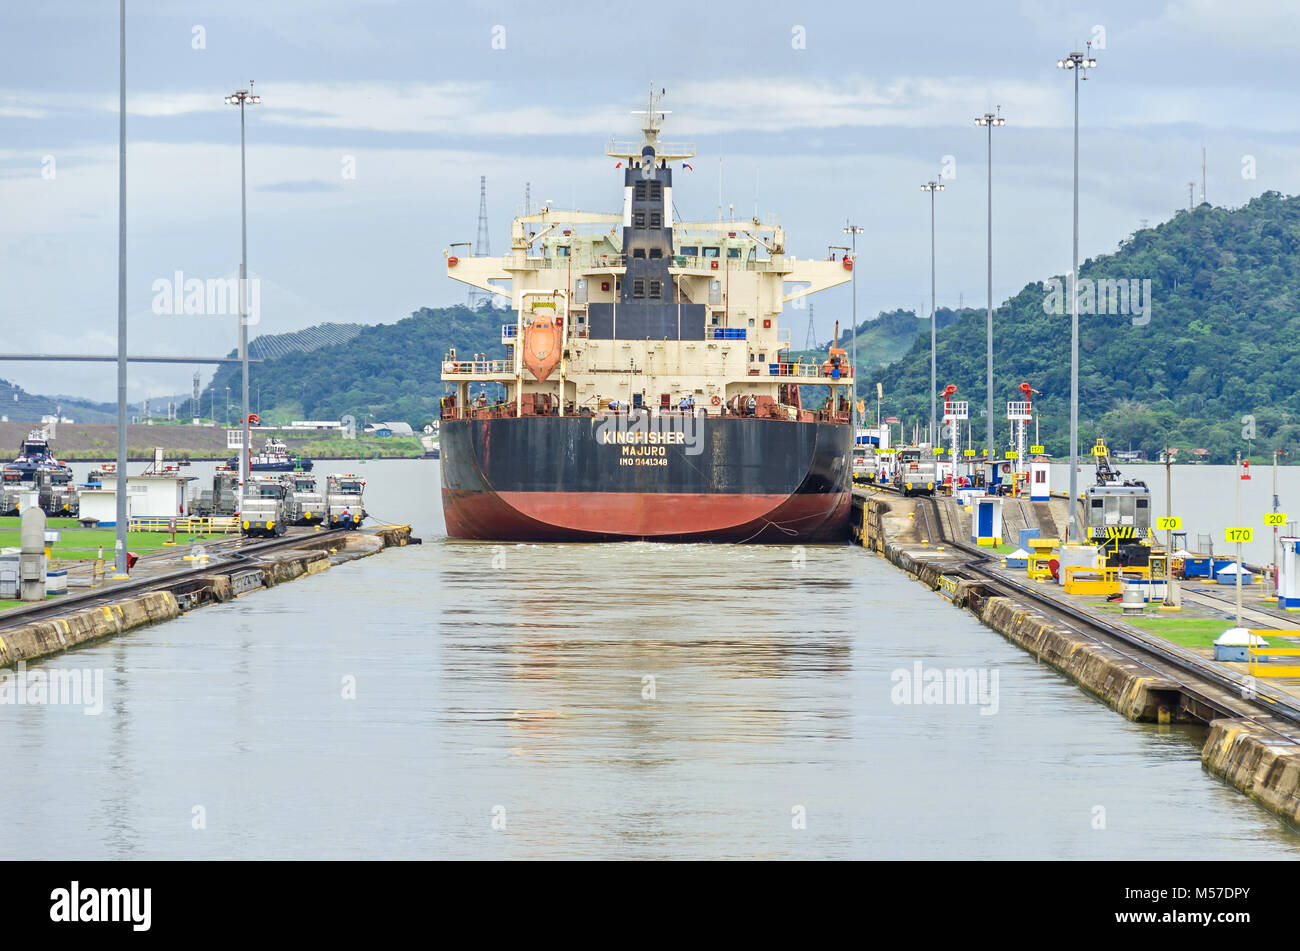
(836, 341)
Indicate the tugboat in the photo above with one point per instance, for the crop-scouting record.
(35, 469)
(649, 391)
(274, 457)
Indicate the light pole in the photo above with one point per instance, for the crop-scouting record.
(1077, 62)
(239, 98)
(932, 187)
(1239, 479)
(853, 231)
(990, 119)
(1276, 454)
(119, 547)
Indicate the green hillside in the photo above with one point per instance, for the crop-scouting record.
(384, 372)
(1222, 342)
(19, 405)
(883, 339)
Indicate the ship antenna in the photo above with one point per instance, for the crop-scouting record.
(652, 119)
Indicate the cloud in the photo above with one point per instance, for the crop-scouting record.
(743, 104)
(1252, 25)
(13, 107)
(308, 187)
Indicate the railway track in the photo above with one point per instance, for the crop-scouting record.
(244, 552)
(1170, 660)
(1189, 672)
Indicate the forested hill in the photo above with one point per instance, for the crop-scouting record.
(387, 371)
(1218, 358)
(881, 340)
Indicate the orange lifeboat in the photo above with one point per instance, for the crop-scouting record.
(542, 343)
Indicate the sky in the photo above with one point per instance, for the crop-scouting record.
(379, 116)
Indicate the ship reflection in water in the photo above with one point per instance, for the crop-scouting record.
(506, 685)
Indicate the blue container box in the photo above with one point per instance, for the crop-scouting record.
(1231, 580)
(1026, 534)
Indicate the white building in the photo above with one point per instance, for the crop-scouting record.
(147, 496)
(392, 429)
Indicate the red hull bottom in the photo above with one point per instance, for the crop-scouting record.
(648, 516)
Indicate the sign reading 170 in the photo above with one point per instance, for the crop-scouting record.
(1239, 535)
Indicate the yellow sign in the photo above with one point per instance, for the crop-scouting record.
(1275, 518)
(938, 450)
(1099, 449)
(969, 452)
(1169, 523)
(1238, 536)
(1011, 454)
(1036, 450)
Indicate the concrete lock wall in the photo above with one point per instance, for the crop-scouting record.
(1123, 685)
(40, 638)
(1246, 754)
(1255, 761)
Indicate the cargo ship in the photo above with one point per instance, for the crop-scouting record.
(647, 391)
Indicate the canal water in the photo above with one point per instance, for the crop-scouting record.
(572, 701)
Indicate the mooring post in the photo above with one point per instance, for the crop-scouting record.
(31, 561)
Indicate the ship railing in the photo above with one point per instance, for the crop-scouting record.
(193, 524)
(664, 150)
(805, 370)
(477, 367)
(507, 410)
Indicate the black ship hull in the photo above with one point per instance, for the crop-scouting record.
(685, 479)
